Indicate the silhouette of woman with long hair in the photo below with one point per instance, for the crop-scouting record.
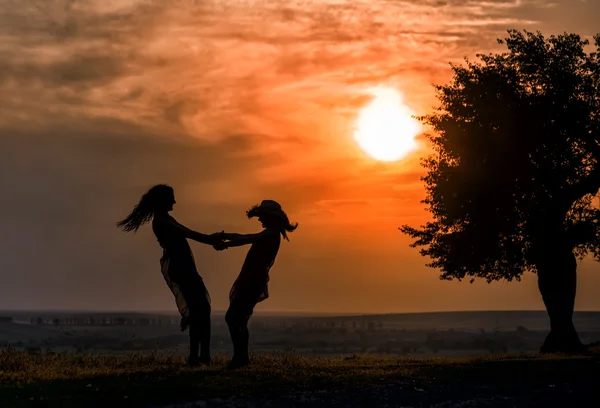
(178, 266)
(251, 286)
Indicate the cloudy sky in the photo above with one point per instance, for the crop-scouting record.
(232, 102)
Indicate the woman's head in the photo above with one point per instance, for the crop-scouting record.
(159, 199)
(271, 215)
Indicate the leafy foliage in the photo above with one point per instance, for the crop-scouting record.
(517, 159)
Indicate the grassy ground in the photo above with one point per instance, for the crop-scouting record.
(48, 379)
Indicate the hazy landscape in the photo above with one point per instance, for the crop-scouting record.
(415, 334)
(416, 145)
(448, 359)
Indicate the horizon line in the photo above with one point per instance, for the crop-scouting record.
(169, 312)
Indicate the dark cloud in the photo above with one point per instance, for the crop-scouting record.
(81, 70)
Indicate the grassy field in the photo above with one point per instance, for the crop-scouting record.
(48, 379)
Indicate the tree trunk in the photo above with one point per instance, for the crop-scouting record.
(557, 282)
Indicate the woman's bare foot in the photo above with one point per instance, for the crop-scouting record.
(199, 361)
(237, 363)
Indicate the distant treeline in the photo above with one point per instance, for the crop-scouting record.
(105, 321)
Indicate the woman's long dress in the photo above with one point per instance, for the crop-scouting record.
(179, 271)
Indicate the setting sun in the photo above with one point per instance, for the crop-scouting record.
(385, 129)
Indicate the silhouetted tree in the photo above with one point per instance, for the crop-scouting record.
(515, 170)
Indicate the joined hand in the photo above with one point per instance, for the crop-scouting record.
(218, 239)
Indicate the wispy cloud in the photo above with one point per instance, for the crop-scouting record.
(286, 77)
(209, 66)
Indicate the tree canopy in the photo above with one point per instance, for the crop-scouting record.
(516, 163)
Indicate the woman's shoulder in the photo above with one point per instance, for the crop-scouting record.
(270, 233)
(162, 219)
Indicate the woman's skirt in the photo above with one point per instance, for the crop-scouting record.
(250, 288)
(191, 296)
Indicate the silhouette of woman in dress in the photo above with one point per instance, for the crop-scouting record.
(251, 286)
(178, 266)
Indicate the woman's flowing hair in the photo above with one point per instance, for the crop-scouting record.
(286, 227)
(279, 220)
(146, 207)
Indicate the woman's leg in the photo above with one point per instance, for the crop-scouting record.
(237, 317)
(205, 338)
(200, 340)
(244, 340)
(232, 320)
(195, 334)
(200, 330)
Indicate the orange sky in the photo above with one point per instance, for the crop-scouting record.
(232, 102)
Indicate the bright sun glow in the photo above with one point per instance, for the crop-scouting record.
(385, 129)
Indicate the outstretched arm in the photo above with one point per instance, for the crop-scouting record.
(194, 235)
(230, 236)
(235, 240)
(242, 239)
